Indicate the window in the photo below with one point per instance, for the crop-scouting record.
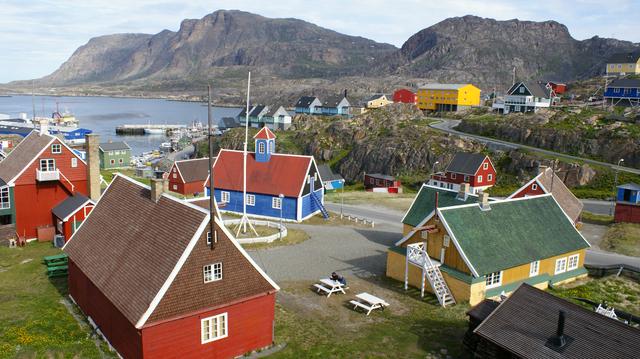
(521, 89)
(494, 279)
(534, 268)
(215, 237)
(56, 148)
(479, 178)
(175, 175)
(466, 178)
(120, 160)
(534, 186)
(113, 162)
(273, 145)
(485, 166)
(74, 162)
(4, 198)
(276, 203)
(212, 272)
(175, 187)
(445, 240)
(490, 177)
(561, 265)
(251, 200)
(453, 176)
(214, 328)
(48, 164)
(261, 147)
(573, 262)
(225, 197)
(424, 234)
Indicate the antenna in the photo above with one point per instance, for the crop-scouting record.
(33, 99)
(212, 193)
(513, 77)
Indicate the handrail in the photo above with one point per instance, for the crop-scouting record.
(66, 179)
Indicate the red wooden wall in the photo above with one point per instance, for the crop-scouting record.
(529, 191)
(79, 217)
(404, 96)
(627, 213)
(485, 175)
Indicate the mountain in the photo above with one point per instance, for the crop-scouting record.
(485, 51)
(288, 48)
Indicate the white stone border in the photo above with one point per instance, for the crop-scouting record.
(268, 239)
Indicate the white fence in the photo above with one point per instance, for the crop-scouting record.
(364, 221)
(282, 231)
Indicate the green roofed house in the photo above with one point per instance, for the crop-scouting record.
(469, 249)
(115, 155)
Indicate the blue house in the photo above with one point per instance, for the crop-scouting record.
(336, 105)
(331, 180)
(278, 185)
(309, 105)
(623, 92)
(628, 203)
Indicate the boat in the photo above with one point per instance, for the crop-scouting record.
(155, 131)
(166, 146)
(64, 119)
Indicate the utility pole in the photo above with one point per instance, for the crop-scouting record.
(615, 186)
(212, 193)
(513, 77)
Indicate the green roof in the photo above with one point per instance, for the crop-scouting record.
(512, 232)
(424, 203)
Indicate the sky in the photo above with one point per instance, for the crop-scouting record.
(37, 36)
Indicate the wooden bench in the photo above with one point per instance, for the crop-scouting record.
(58, 259)
(357, 304)
(320, 287)
(57, 271)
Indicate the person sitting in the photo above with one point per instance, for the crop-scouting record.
(338, 278)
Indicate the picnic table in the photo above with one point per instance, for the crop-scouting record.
(55, 260)
(330, 286)
(368, 302)
(57, 271)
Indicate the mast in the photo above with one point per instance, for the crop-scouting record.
(212, 192)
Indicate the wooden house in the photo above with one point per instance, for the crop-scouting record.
(256, 114)
(476, 169)
(70, 213)
(115, 155)
(628, 203)
(533, 324)
(331, 180)
(447, 97)
(527, 97)
(337, 105)
(548, 182)
(277, 118)
(170, 287)
(308, 105)
(377, 101)
(558, 88)
(624, 63)
(36, 176)
(377, 182)
(404, 96)
(188, 177)
(472, 251)
(623, 92)
(278, 185)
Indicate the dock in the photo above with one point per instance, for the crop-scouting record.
(139, 129)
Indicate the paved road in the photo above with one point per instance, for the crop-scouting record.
(597, 207)
(380, 215)
(447, 125)
(182, 154)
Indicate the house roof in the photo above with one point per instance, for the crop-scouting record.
(273, 110)
(624, 58)
(333, 101)
(374, 97)
(523, 323)
(436, 86)
(632, 186)
(466, 163)
(255, 112)
(425, 202)
(482, 310)
(113, 146)
(70, 205)
(229, 122)
(243, 113)
(327, 174)
(513, 232)
(625, 83)
(282, 174)
(381, 176)
(537, 89)
(193, 170)
(23, 154)
(146, 257)
(305, 101)
(265, 134)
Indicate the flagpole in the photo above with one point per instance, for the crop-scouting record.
(212, 192)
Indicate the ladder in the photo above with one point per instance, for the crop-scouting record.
(417, 254)
(438, 285)
(318, 203)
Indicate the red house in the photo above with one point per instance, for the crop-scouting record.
(376, 182)
(70, 214)
(628, 203)
(558, 88)
(188, 177)
(404, 96)
(548, 182)
(476, 169)
(40, 173)
(165, 290)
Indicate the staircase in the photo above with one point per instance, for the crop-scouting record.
(439, 286)
(318, 203)
(417, 255)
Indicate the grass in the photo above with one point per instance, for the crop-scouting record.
(33, 320)
(623, 238)
(262, 231)
(129, 172)
(399, 202)
(294, 236)
(620, 292)
(593, 218)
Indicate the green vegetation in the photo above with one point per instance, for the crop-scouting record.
(35, 321)
(623, 238)
(620, 292)
(108, 175)
(603, 184)
(603, 220)
(294, 236)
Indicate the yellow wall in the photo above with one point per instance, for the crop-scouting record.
(379, 102)
(428, 99)
(626, 68)
(547, 266)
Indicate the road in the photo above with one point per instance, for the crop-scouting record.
(448, 125)
(182, 154)
(597, 207)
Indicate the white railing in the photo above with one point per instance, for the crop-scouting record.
(47, 175)
(73, 187)
(364, 221)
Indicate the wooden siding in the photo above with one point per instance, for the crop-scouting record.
(627, 213)
(485, 175)
(263, 206)
(529, 191)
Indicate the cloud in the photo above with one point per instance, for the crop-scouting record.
(37, 36)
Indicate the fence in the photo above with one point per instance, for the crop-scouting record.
(614, 269)
(357, 219)
(282, 231)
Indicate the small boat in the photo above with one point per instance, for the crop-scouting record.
(155, 131)
(166, 146)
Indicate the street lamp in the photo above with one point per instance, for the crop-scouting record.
(281, 196)
(341, 198)
(615, 186)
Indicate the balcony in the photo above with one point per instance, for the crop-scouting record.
(43, 176)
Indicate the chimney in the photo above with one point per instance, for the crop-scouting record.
(44, 127)
(484, 201)
(463, 192)
(157, 186)
(92, 144)
(345, 93)
(559, 339)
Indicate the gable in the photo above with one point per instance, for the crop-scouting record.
(466, 163)
(193, 170)
(23, 155)
(424, 203)
(520, 89)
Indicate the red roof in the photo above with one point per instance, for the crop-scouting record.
(282, 174)
(265, 134)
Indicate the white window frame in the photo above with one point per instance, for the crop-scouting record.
(215, 237)
(225, 197)
(534, 268)
(424, 234)
(276, 203)
(491, 281)
(446, 240)
(175, 175)
(175, 187)
(56, 148)
(479, 178)
(261, 147)
(251, 199)
(485, 166)
(207, 332)
(561, 265)
(74, 162)
(212, 272)
(571, 258)
(5, 204)
(534, 186)
(453, 176)
(490, 177)
(49, 165)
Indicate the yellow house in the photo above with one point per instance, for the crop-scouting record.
(624, 63)
(377, 101)
(447, 97)
(463, 247)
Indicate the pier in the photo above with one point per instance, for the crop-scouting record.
(140, 129)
